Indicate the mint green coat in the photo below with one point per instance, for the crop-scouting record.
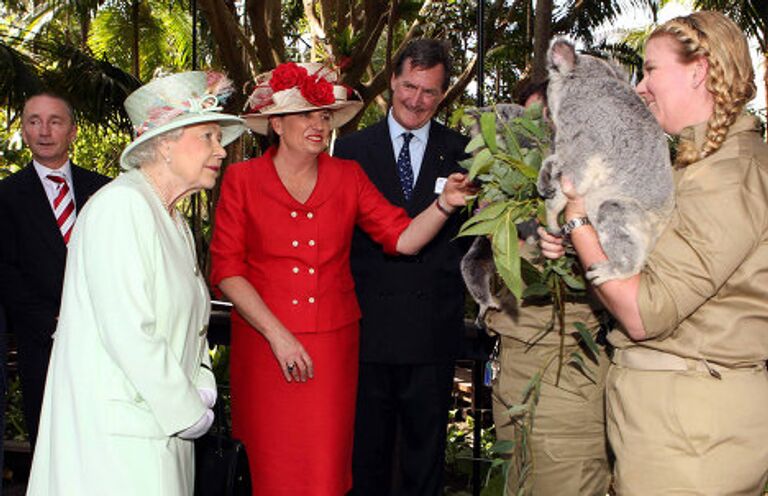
(128, 354)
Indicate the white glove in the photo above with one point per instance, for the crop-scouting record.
(199, 428)
(208, 396)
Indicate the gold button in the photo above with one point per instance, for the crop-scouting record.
(311, 242)
(295, 270)
(295, 243)
(311, 270)
(310, 215)
(311, 299)
(295, 302)
(294, 214)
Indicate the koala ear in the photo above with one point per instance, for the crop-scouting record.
(562, 55)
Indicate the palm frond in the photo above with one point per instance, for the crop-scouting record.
(19, 76)
(96, 88)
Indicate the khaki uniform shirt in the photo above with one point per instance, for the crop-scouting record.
(704, 290)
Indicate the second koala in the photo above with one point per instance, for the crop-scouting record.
(610, 146)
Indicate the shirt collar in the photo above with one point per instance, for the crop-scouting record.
(395, 129)
(698, 132)
(43, 171)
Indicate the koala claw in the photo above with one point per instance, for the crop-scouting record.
(492, 304)
(600, 272)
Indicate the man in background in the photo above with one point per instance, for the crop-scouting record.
(412, 307)
(38, 209)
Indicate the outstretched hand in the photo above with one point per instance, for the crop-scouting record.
(457, 188)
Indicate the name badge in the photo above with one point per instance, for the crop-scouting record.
(440, 184)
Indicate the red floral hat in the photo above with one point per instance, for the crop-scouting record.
(298, 87)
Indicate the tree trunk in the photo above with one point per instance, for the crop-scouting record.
(229, 44)
(542, 32)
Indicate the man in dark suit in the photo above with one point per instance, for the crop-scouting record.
(38, 208)
(412, 307)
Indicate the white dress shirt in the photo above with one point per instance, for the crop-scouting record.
(417, 146)
(50, 187)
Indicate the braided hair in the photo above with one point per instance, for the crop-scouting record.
(730, 78)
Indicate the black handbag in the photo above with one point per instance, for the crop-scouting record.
(221, 463)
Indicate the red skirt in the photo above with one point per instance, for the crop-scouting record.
(298, 436)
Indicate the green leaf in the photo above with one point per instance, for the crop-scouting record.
(513, 145)
(533, 128)
(457, 116)
(511, 182)
(467, 163)
(587, 339)
(541, 214)
(503, 446)
(536, 289)
(526, 170)
(481, 163)
(506, 253)
(577, 361)
(476, 142)
(492, 211)
(517, 410)
(574, 282)
(531, 386)
(488, 128)
(483, 228)
(533, 159)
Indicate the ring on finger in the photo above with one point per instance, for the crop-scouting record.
(290, 366)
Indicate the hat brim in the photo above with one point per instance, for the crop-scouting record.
(231, 129)
(343, 112)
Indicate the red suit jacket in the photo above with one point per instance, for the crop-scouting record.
(296, 254)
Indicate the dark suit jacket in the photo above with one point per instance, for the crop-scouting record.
(32, 251)
(412, 306)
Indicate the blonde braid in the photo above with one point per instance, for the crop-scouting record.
(730, 78)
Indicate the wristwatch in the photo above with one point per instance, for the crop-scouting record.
(572, 224)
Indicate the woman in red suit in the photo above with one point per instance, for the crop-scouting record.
(280, 249)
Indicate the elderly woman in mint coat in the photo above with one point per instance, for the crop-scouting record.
(129, 385)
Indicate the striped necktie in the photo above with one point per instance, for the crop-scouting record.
(63, 206)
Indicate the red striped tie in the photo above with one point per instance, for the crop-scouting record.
(63, 206)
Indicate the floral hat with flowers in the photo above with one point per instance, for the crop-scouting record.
(180, 100)
(298, 87)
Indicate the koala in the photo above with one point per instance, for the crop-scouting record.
(610, 146)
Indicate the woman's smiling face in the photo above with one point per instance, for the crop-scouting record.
(307, 132)
(674, 91)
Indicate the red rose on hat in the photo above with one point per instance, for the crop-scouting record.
(317, 91)
(287, 75)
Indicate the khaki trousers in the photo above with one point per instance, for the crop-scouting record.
(688, 433)
(568, 441)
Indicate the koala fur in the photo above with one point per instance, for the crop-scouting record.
(610, 146)
(477, 269)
